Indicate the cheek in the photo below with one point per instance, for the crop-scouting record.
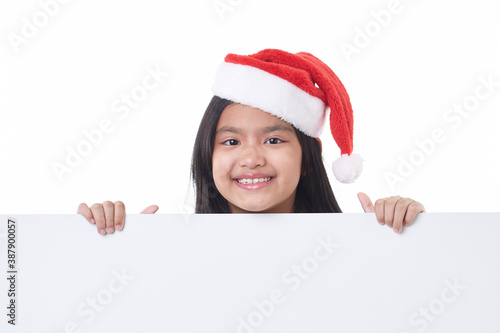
(296, 161)
(289, 162)
(221, 166)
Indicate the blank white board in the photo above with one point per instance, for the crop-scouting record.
(252, 273)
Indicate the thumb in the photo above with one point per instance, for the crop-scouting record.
(150, 210)
(366, 203)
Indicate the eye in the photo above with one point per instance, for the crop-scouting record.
(230, 142)
(274, 141)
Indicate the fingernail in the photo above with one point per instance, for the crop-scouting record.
(92, 221)
(396, 230)
(118, 227)
(110, 230)
(102, 231)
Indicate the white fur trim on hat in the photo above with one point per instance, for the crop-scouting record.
(259, 89)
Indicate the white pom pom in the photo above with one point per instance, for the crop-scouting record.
(347, 168)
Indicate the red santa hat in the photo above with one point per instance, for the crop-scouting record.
(298, 88)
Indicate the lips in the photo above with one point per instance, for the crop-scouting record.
(253, 181)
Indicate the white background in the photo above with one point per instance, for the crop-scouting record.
(65, 79)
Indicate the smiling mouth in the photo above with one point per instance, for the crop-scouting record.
(253, 180)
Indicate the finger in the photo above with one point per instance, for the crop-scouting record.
(150, 210)
(379, 211)
(400, 213)
(411, 213)
(84, 210)
(366, 203)
(98, 212)
(119, 215)
(109, 214)
(390, 206)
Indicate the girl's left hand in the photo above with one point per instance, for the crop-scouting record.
(394, 211)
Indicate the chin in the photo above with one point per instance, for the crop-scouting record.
(256, 208)
(253, 209)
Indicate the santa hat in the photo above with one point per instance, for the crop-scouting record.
(298, 88)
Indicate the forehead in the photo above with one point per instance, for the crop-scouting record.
(244, 116)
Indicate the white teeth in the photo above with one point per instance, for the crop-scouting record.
(253, 181)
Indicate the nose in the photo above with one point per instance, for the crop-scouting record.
(252, 157)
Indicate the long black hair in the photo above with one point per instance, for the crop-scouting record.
(314, 193)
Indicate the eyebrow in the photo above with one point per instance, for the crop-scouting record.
(268, 129)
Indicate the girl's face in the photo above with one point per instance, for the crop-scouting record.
(256, 161)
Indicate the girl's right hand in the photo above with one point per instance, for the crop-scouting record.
(108, 216)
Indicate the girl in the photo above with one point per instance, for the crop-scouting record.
(258, 149)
